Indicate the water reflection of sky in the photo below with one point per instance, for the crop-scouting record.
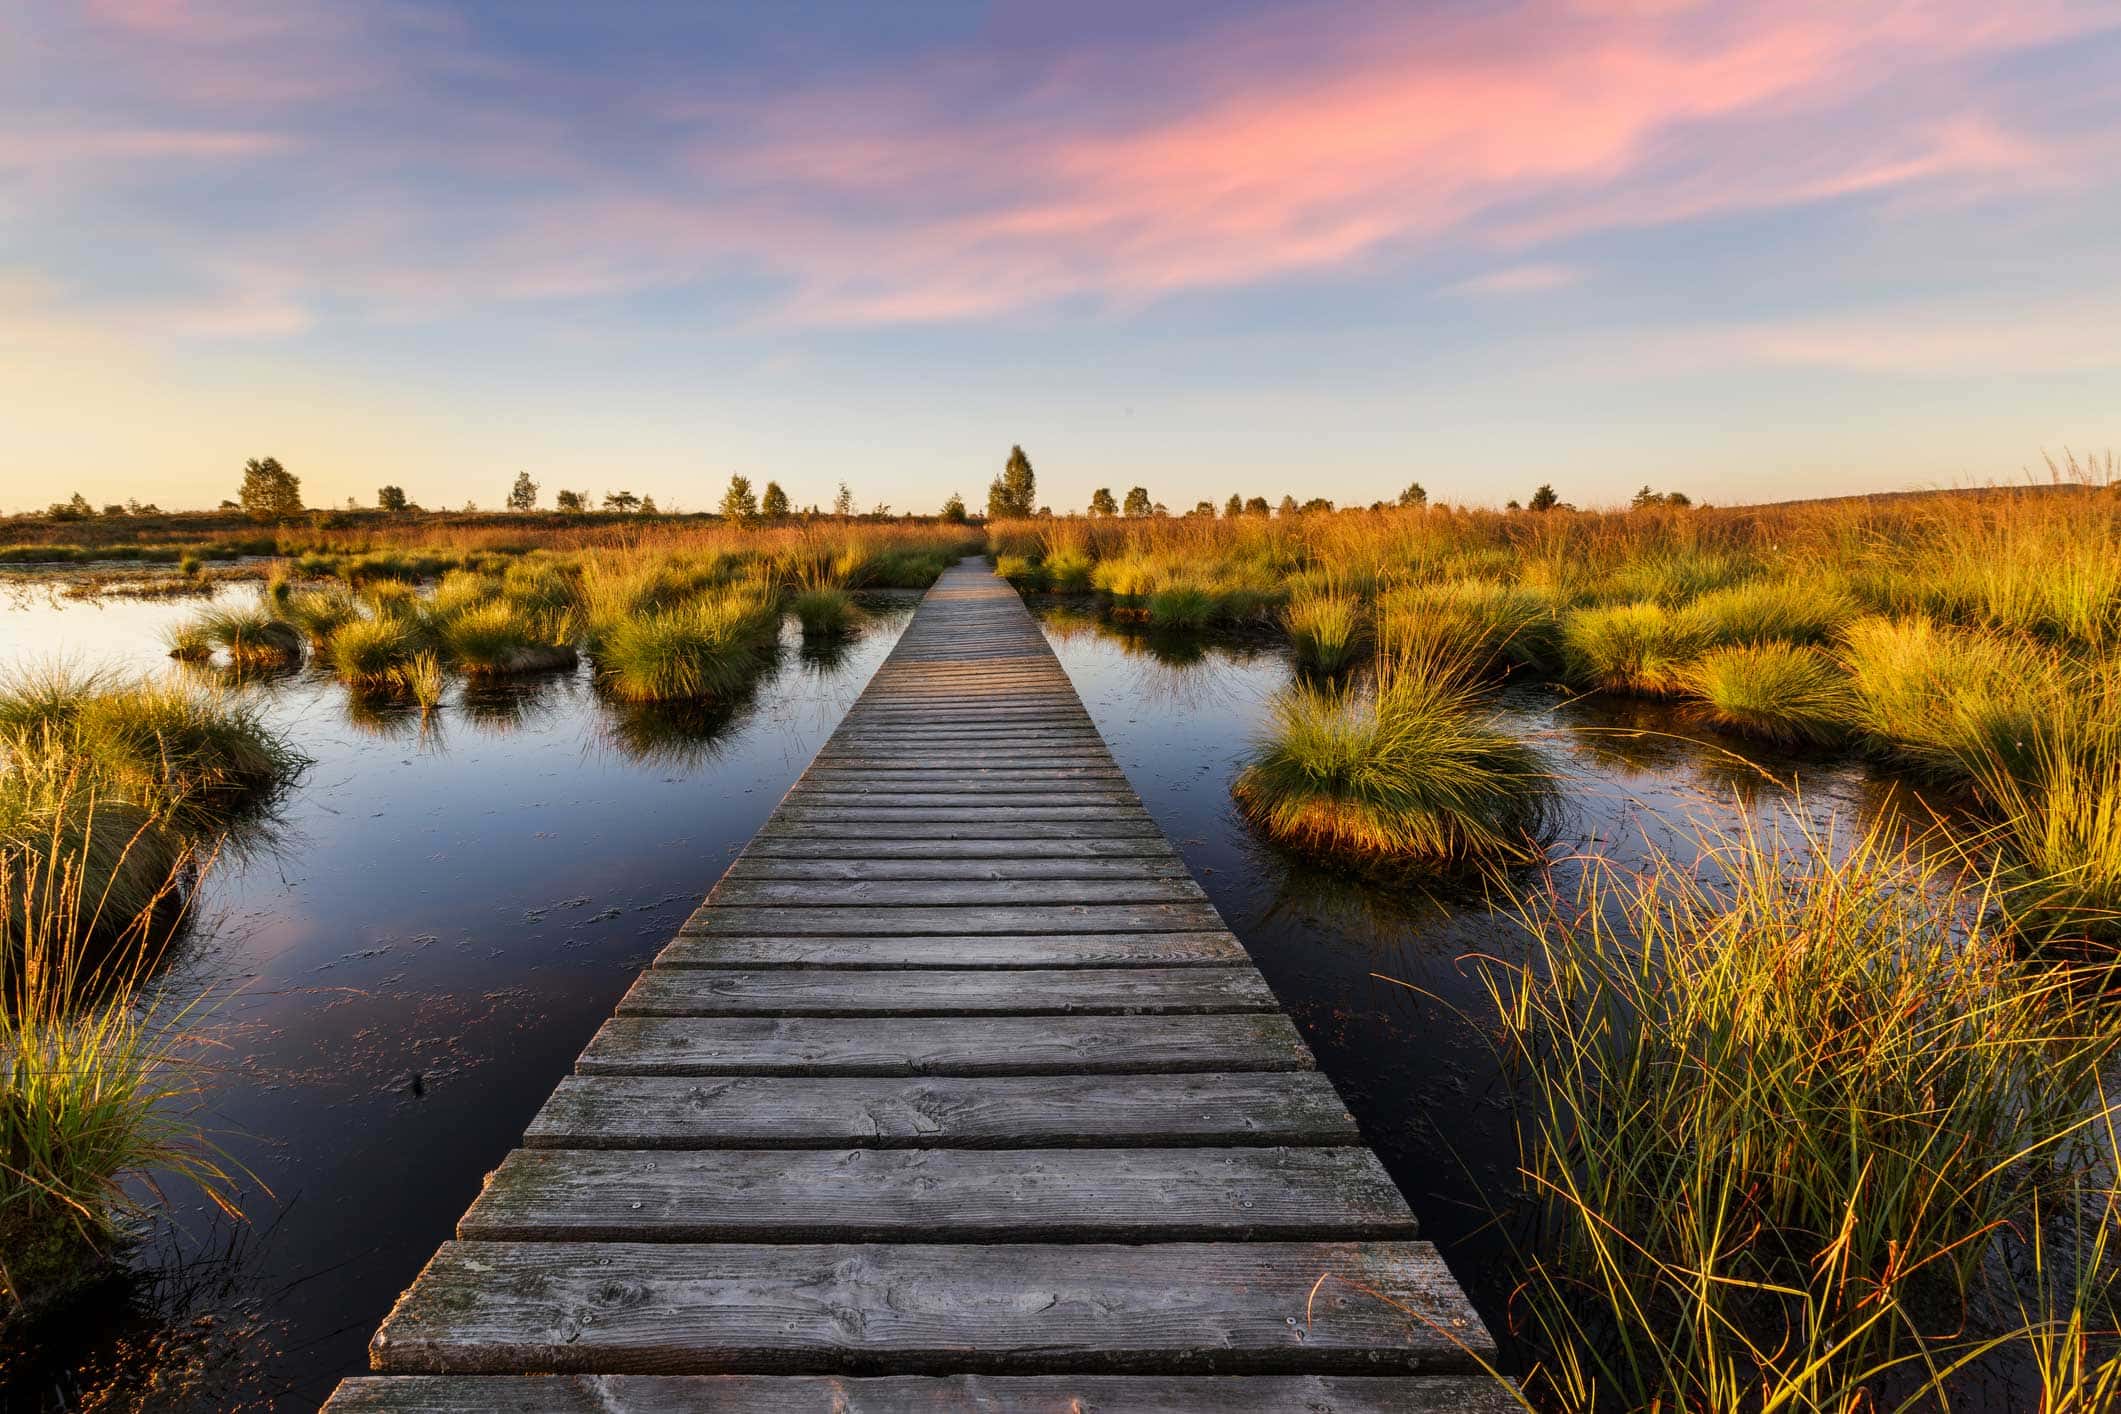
(445, 914)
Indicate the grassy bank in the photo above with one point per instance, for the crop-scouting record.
(115, 795)
(1802, 1128)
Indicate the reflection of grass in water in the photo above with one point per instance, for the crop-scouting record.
(683, 735)
(161, 1331)
(503, 705)
(381, 712)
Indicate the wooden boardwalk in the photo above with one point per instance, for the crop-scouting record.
(955, 1094)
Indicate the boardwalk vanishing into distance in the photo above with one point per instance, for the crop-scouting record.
(955, 1094)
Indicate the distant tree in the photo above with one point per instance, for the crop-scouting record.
(576, 501)
(523, 496)
(1544, 499)
(1137, 502)
(75, 507)
(230, 506)
(954, 509)
(114, 510)
(270, 491)
(775, 504)
(1203, 508)
(1013, 494)
(843, 503)
(391, 498)
(1413, 496)
(1101, 502)
(648, 507)
(1511, 505)
(1159, 509)
(1256, 506)
(1288, 506)
(621, 501)
(1234, 507)
(738, 504)
(1646, 498)
(1314, 505)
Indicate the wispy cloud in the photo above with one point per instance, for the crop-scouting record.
(1517, 280)
(1319, 139)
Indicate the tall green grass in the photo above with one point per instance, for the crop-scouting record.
(1786, 1104)
(92, 1079)
(707, 648)
(1408, 771)
(1328, 630)
(1776, 691)
(824, 611)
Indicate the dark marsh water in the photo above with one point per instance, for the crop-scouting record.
(447, 911)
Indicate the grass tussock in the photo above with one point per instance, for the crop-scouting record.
(824, 611)
(1641, 648)
(368, 653)
(1779, 692)
(1327, 631)
(1791, 1112)
(705, 649)
(1407, 773)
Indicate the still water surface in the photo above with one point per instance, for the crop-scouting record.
(447, 912)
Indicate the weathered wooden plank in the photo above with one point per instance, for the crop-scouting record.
(962, 779)
(924, 1394)
(701, 991)
(829, 827)
(956, 845)
(649, 1308)
(980, 1112)
(800, 812)
(1080, 797)
(951, 893)
(972, 1045)
(750, 865)
(938, 1195)
(963, 951)
(996, 918)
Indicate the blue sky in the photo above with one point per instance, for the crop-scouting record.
(1749, 251)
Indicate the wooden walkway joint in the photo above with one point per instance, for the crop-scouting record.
(955, 1094)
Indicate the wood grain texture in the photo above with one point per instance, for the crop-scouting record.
(954, 893)
(771, 865)
(986, 1045)
(865, 921)
(1002, 1111)
(1029, 950)
(955, 844)
(937, 1195)
(646, 1308)
(695, 991)
(923, 1394)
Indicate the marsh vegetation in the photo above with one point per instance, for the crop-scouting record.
(1811, 1113)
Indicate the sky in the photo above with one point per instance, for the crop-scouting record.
(1747, 251)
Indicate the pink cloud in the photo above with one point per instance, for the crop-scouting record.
(1330, 138)
(1516, 127)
